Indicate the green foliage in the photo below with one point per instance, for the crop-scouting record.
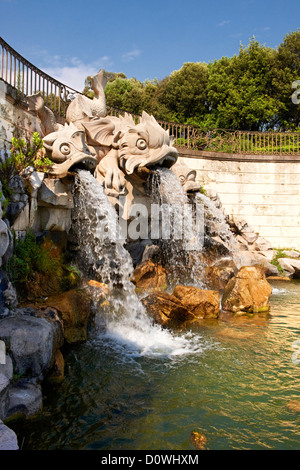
(29, 256)
(281, 253)
(249, 91)
(23, 153)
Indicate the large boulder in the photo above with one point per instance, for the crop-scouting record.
(149, 276)
(74, 309)
(247, 292)
(31, 342)
(218, 274)
(290, 266)
(8, 438)
(201, 303)
(167, 310)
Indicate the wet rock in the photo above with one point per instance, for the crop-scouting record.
(247, 292)
(262, 244)
(137, 250)
(74, 309)
(151, 252)
(4, 399)
(291, 254)
(167, 310)
(199, 440)
(294, 405)
(57, 372)
(201, 303)
(8, 439)
(290, 266)
(25, 399)
(149, 276)
(54, 193)
(31, 342)
(218, 274)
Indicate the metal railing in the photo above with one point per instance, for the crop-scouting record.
(228, 141)
(28, 79)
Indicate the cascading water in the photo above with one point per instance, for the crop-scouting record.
(184, 234)
(101, 255)
(202, 223)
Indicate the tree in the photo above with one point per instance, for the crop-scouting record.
(185, 93)
(240, 90)
(286, 71)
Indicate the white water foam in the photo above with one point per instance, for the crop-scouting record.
(124, 321)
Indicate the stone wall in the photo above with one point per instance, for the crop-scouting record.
(13, 114)
(263, 190)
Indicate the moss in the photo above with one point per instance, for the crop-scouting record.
(39, 269)
(281, 253)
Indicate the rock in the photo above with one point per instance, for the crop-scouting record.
(294, 405)
(136, 249)
(8, 439)
(53, 219)
(201, 303)
(292, 254)
(247, 292)
(25, 399)
(21, 222)
(262, 244)
(243, 245)
(4, 399)
(217, 275)
(199, 440)
(58, 369)
(249, 237)
(290, 266)
(10, 296)
(151, 252)
(74, 308)
(53, 192)
(31, 342)
(167, 310)
(249, 258)
(7, 368)
(149, 276)
(35, 180)
(4, 239)
(269, 269)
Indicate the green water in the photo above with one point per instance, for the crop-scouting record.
(231, 379)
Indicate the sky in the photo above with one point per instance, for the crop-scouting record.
(71, 39)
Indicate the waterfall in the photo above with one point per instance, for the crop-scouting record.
(101, 255)
(184, 256)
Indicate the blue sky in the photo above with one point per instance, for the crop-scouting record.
(70, 39)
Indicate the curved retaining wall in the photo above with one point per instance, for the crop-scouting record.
(264, 190)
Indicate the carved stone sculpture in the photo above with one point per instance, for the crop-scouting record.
(187, 177)
(118, 150)
(84, 108)
(48, 122)
(67, 149)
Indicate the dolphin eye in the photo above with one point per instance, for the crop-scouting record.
(65, 149)
(141, 144)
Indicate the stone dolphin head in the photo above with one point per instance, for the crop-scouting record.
(67, 149)
(145, 144)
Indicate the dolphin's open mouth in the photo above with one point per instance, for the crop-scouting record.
(165, 156)
(77, 161)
